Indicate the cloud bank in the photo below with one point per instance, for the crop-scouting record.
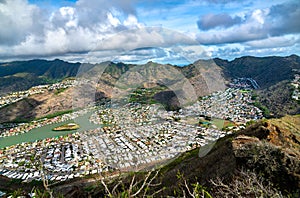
(278, 20)
(211, 21)
(114, 28)
(29, 30)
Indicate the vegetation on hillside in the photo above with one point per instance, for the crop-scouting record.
(145, 95)
(21, 75)
(37, 72)
(277, 100)
(266, 71)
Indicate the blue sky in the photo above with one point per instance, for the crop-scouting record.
(167, 31)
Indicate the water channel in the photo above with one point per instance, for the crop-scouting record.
(46, 131)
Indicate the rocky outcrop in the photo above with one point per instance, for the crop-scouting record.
(268, 148)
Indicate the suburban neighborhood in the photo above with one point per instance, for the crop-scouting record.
(127, 137)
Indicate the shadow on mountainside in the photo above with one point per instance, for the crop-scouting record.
(21, 111)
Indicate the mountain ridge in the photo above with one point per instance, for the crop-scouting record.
(205, 76)
(261, 69)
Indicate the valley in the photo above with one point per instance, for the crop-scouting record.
(130, 118)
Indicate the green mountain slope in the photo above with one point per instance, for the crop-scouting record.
(204, 77)
(273, 74)
(267, 71)
(21, 75)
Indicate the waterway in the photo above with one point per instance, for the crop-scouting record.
(46, 131)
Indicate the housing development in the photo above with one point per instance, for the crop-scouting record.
(125, 137)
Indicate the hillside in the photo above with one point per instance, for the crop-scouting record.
(21, 75)
(267, 71)
(273, 74)
(266, 153)
(184, 84)
(270, 148)
(115, 80)
(45, 104)
(277, 99)
(37, 106)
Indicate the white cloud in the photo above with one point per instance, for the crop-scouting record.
(211, 21)
(114, 27)
(274, 42)
(259, 15)
(79, 28)
(17, 20)
(113, 20)
(277, 20)
(251, 29)
(144, 37)
(132, 21)
(69, 14)
(141, 45)
(231, 51)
